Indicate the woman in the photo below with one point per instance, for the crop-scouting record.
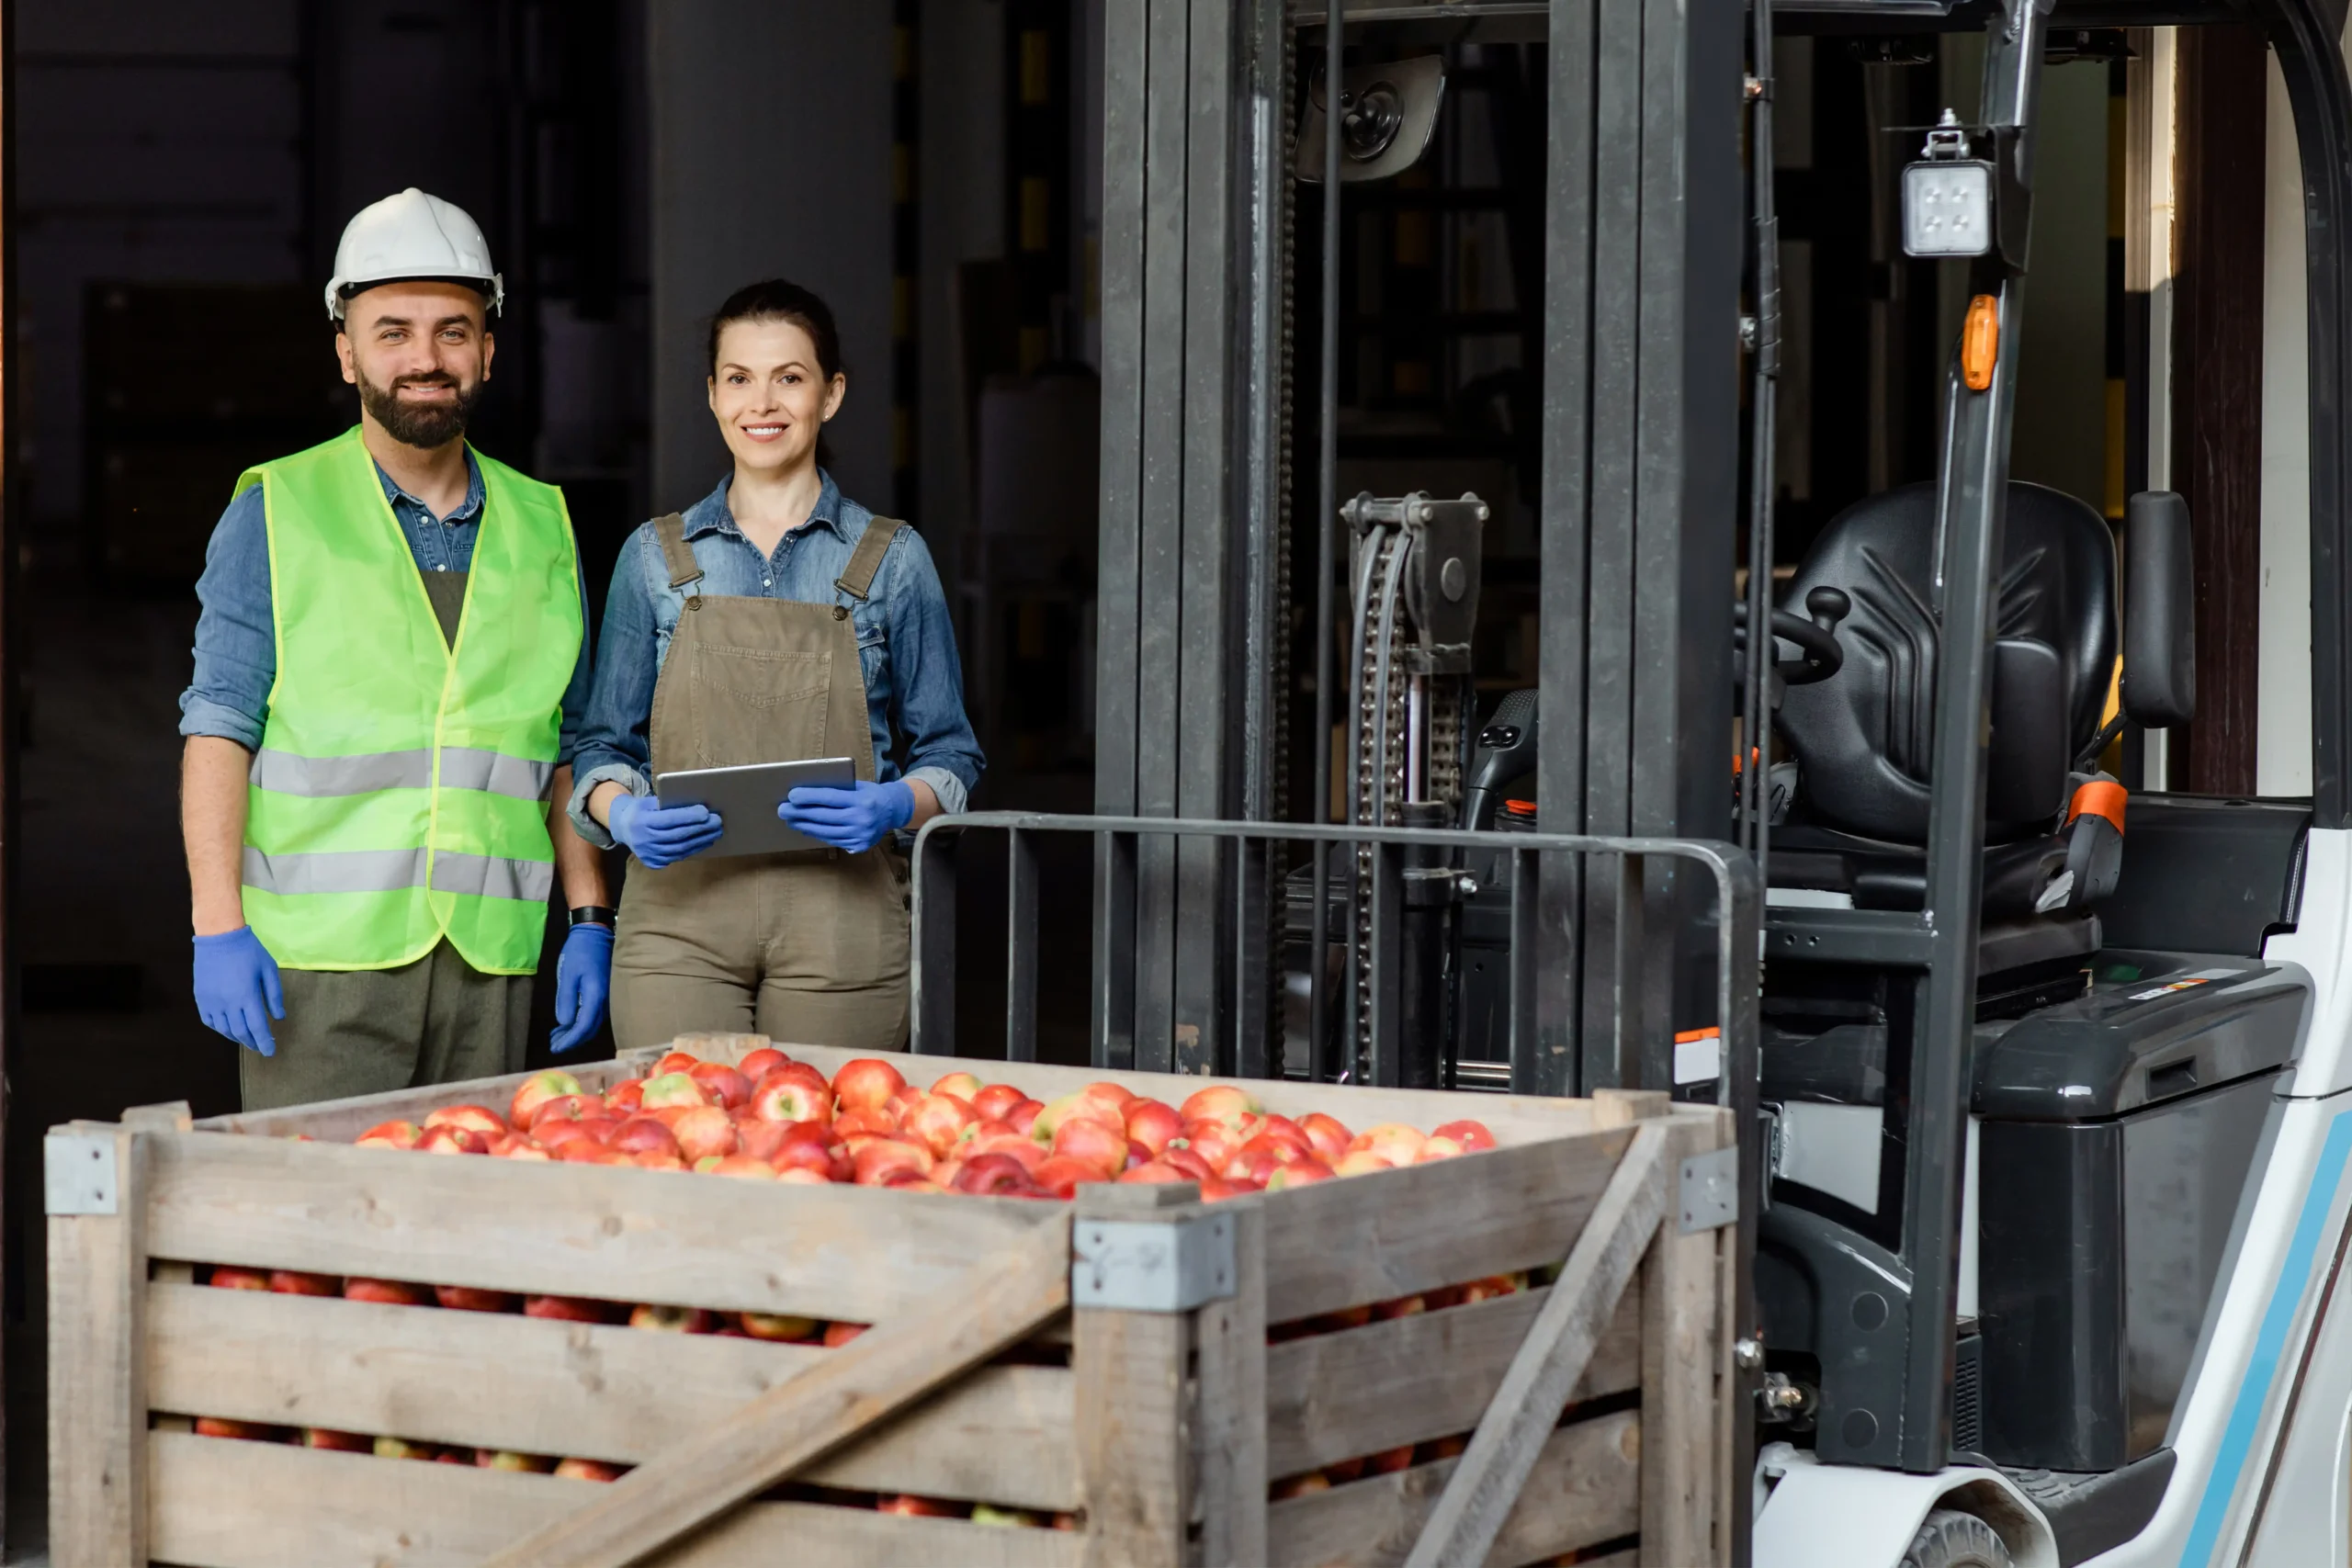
(774, 620)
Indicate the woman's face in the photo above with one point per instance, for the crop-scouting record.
(770, 398)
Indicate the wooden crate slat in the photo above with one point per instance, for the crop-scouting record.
(340, 1120)
(1361, 1390)
(1585, 1488)
(999, 1302)
(97, 1469)
(849, 1253)
(487, 1380)
(1396, 1233)
(220, 1503)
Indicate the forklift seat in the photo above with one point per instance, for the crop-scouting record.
(1865, 738)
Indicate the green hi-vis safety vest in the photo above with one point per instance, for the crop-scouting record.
(400, 793)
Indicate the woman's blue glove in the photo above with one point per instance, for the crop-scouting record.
(661, 835)
(584, 982)
(853, 819)
(236, 988)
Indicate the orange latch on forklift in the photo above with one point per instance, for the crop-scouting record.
(2098, 798)
(1980, 343)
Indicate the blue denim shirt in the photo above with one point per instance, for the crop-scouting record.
(236, 639)
(906, 644)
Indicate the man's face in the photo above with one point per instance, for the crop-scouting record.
(419, 354)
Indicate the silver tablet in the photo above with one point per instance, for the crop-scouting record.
(746, 799)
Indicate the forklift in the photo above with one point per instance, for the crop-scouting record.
(2046, 1147)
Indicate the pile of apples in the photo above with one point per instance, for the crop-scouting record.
(769, 1118)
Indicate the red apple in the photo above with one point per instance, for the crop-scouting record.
(1284, 1130)
(724, 1085)
(588, 1151)
(1211, 1140)
(840, 1333)
(1253, 1165)
(1392, 1141)
(1086, 1105)
(1282, 1150)
(993, 1175)
(1439, 1448)
(1299, 1486)
(448, 1140)
(995, 1100)
(1153, 1124)
(804, 1146)
(536, 1092)
(1363, 1162)
(759, 1139)
(704, 1131)
(779, 1326)
(1390, 1460)
(1180, 1157)
(1060, 1175)
(294, 1282)
(387, 1292)
(1472, 1136)
(226, 1277)
(222, 1426)
(1492, 1286)
(1328, 1134)
(1402, 1306)
(917, 1507)
(400, 1448)
(1437, 1148)
(1021, 1116)
(337, 1442)
(963, 1086)
(479, 1119)
(642, 1135)
(877, 1160)
(626, 1097)
(518, 1145)
(784, 1096)
(800, 1175)
(653, 1159)
(465, 1298)
(1102, 1146)
(675, 1062)
(589, 1470)
(568, 1309)
(674, 1089)
(567, 1107)
(670, 1319)
(940, 1121)
(1298, 1173)
(743, 1167)
(1030, 1155)
(389, 1136)
(1217, 1189)
(505, 1458)
(865, 1084)
(767, 1059)
(1153, 1171)
(875, 1123)
(1220, 1102)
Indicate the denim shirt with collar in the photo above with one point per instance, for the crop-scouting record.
(906, 644)
(236, 635)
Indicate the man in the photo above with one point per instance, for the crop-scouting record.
(390, 668)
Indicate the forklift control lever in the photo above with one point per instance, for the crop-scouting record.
(1820, 657)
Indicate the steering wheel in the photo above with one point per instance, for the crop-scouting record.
(1819, 655)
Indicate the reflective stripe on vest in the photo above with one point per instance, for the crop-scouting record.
(398, 796)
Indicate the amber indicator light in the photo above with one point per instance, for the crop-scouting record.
(1980, 343)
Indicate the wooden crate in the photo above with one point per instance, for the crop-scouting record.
(1159, 1431)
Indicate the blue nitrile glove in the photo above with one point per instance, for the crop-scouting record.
(236, 988)
(855, 818)
(662, 835)
(584, 982)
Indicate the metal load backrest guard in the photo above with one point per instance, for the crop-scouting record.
(1864, 737)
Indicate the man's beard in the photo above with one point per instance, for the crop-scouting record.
(429, 426)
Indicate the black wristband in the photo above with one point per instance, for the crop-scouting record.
(594, 915)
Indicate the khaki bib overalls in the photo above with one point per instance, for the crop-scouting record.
(811, 946)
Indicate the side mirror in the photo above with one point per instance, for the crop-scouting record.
(2159, 613)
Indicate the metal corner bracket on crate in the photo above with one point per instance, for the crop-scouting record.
(1710, 1195)
(80, 1175)
(1151, 1265)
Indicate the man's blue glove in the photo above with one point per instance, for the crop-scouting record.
(584, 982)
(855, 819)
(661, 835)
(236, 988)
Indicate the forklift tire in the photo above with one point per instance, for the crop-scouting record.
(1950, 1538)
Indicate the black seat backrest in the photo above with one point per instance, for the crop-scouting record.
(1865, 737)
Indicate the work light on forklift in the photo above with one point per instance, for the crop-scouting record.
(1948, 196)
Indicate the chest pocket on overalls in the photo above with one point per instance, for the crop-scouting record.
(772, 697)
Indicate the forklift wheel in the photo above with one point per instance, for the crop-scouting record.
(1954, 1540)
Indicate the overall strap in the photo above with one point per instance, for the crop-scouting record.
(671, 532)
(857, 577)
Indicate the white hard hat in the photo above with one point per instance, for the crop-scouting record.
(410, 236)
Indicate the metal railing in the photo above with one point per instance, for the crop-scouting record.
(1120, 852)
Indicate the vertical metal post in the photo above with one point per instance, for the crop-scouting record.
(1114, 951)
(1383, 971)
(1254, 1055)
(1020, 947)
(1327, 509)
(930, 1021)
(1970, 509)
(1526, 1041)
